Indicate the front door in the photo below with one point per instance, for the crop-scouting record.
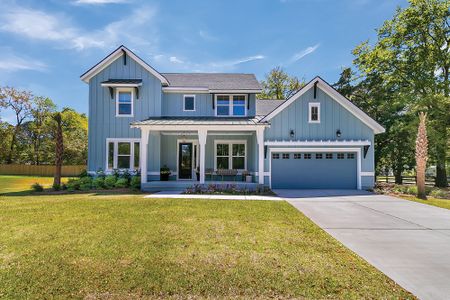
(185, 161)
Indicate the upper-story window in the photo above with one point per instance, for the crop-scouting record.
(189, 103)
(124, 102)
(231, 105)
(314, 113)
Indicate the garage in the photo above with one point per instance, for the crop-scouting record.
(314, 170)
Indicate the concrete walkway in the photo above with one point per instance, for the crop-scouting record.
(408, 241)
(179, 195)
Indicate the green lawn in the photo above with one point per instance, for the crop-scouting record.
(443, 203)
(125, 246)
(11, 184)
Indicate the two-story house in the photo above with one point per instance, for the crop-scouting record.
(205, 123)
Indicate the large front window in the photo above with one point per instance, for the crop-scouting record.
(231, 155)
(122, 154)
(231, 105)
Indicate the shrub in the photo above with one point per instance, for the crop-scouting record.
(98, 183)
(83, 173)
(85, 183)
(412, 190)
(73, 184)
(438, 193)
(110, 181)
(135, 182)
(56, 187)
(122, 183)
(37, 187)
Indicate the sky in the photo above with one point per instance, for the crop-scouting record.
(46, 45)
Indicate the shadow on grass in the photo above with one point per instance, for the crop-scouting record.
(56, 193)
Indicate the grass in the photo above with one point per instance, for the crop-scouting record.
(443, 203)
(14, 184)
(126, 246)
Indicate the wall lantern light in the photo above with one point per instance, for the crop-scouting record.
(338, 133)
(292, 133)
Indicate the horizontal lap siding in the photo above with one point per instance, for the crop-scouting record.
(103, 122)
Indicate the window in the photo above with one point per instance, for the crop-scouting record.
(231, 155)
(340, 156)
(350, 155)
(307, 156)
(189, 103)
(231, 105)
(124, 102)
(275, 156)
(329, 156)
(314, 113)
(318, 155)
(297, 156)
(286, 155)
(122, 154)
(238, 105)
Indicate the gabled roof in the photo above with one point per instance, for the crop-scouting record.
(213, 82)
(330, 91)
(112, 57)
(265, 106)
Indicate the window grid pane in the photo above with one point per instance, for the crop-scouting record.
(297, 156)
(307, 155)
(340, 156)
(329, 156)
(189, 103)
(110, 155)
(286, 155)
(318, 155)
(275, 156)
(136, 155)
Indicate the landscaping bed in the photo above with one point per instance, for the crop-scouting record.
(227, 189)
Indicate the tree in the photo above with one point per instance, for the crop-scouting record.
(279, 85)
(75, 132)
(20, 103)
(41, 113)
(344, 84)
(421, 156)
(412, 55)
(59, 148)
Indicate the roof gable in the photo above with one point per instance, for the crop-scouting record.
(115, 55)
(335, 95)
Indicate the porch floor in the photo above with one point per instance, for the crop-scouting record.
(177, 185)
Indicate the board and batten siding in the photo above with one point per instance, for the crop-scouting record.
(333, 116)
(103, 122)
(172, 105)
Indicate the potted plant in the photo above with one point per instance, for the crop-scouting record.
(164, 173)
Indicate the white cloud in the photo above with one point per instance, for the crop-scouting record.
(175, 59)
(207, 36)
(10, 62)
(40, 25)
(100, 2)
(303, 53)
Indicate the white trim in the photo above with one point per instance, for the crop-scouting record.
(230, 154)
(230, 105)
(121, 84)
(319, 143)
(235, 127)
(118, 90)
(357, 150)
(211, 133)
(194, 143)
(367, 173)
(236, 91)
(198, 90)
(115, 55)
(310, 106)
(184, 104)
(115, 141)
(377, 128)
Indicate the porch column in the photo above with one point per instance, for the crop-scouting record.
(260, 141)
(143, 145)
(202, 133)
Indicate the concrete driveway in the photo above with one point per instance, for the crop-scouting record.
(408, 241)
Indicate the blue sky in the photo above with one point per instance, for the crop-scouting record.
(46, 45)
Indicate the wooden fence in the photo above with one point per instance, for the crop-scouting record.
(406, 180)
(41, 170)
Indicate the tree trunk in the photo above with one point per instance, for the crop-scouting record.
(441, 173)
(13, 143)
(59, 149)
(398, 176)
(421, 156)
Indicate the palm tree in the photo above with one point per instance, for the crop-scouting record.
(421, 156)
(59, 149)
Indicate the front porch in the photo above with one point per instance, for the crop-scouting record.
(219, 152)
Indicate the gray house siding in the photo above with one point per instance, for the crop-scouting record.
(103, 122)
(333, 116)
(172, 105)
